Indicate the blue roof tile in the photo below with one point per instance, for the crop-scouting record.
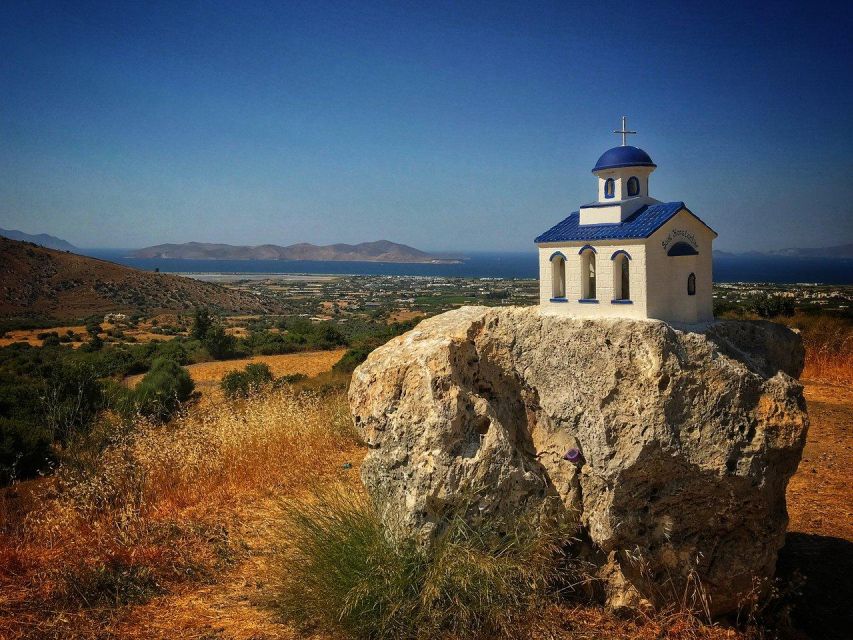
(641, 224)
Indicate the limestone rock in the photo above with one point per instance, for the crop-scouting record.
(687, 439)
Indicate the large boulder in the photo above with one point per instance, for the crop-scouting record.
(686, 439)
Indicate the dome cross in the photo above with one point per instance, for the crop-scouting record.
(624, 131)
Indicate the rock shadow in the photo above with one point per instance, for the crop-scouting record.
(823, 609)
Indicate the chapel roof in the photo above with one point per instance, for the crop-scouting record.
(641, 224)
(624, 156)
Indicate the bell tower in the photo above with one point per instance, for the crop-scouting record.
(623, 182)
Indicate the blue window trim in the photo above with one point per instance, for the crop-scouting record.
(682, 249)
(621, 252)
(621, 302)
(585, 247)
(612, 183)
(559, 300)
(555, 254)
(588, 301)
(636, 181)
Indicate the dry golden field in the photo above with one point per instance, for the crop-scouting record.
(207, 375)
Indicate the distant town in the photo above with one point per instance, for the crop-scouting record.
(397, 298)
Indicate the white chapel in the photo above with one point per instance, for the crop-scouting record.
(627, 254)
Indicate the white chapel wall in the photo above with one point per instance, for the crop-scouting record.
(604, 279)
(667, 275)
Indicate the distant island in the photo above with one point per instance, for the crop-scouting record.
(41, 239)
(379, 251)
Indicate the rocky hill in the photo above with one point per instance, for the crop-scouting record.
(53, 284)
(43, 239)
(379, 251)
(668, 450)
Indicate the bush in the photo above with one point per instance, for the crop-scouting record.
(24, 450)
(343, 571)
(53, 340)
(160, 393)
(291, 378)
(236, 384)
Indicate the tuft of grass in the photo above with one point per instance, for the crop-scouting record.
(343, 571)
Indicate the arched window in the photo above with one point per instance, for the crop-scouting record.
(588, 274)
(558, 276)
(691, 285)
(633, 186)
(609, 188)
(621, 277)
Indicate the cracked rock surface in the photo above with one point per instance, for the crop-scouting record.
(687, 439)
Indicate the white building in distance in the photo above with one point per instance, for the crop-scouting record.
(627, 254)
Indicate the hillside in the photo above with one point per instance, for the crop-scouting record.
(43, 239)
(53, 284)
(379, 251)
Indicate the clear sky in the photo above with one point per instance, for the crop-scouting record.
(448, 126)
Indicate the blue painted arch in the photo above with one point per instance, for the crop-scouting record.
(621, 252)
(556, 254)
(587, 247)
(682, 249)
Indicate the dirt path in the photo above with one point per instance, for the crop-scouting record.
(819, 544)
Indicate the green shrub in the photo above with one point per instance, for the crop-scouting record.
(53, 340)
(342, 571)
(163, 389)
(291, 378)
(237, 384)
(354, 357)
(24, 449)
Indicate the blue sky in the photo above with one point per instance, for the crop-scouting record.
(448, 126)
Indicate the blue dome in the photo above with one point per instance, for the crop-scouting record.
(625, 156)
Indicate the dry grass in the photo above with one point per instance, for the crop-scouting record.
(829, 347)
(159, 511)
(404, 315)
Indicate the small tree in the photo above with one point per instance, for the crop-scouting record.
(72, 397)
(202, 323)
(219, 344)
(770, 305)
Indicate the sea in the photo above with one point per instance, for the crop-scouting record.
(505, 265)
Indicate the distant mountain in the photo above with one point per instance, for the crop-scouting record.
(379, 251)
(40, 239)
(839, 251)
(65, 286)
